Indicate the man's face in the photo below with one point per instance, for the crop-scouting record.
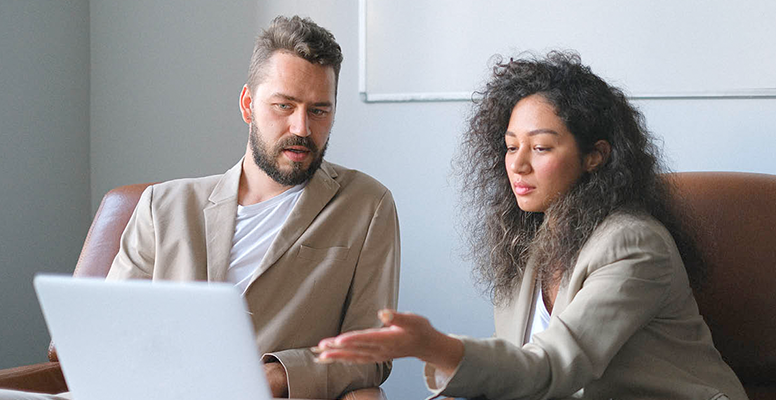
(291, 115)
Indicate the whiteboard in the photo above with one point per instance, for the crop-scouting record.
(436, 50)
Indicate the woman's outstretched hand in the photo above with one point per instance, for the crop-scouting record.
(402, 335)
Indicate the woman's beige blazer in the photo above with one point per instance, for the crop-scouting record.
(624, 326)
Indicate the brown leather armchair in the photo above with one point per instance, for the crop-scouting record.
(99, 249)
(734, 220)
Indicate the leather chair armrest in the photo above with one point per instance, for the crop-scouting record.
(41, 378)
(374, 393)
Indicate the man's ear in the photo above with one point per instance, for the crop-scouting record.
(245, 104)
(598, 156)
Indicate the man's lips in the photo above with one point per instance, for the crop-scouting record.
(522, 188)
(296, 153)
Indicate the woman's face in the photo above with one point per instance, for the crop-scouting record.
(542, 160)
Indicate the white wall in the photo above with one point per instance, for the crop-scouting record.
(715, 134)
(44, 160)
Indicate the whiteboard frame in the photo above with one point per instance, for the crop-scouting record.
(367, 97)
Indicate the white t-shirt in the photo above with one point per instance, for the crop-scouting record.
(540, 319)
(255, 229)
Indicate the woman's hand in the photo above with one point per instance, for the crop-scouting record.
(403, 335)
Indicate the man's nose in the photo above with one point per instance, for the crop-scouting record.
(300, 123)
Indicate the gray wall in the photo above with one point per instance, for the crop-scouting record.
(44, 159)
(165, 78)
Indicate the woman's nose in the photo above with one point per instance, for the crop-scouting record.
(520, 162)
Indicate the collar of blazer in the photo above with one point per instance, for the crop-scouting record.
(220, 218)
(229, 184)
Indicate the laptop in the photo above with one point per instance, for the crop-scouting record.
(133, 340)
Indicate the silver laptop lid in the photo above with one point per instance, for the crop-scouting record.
(142, 340)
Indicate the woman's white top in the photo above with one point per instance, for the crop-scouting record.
(540, 318)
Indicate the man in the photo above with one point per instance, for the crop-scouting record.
(314, 246)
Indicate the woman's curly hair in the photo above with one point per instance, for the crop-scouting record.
(501, 236)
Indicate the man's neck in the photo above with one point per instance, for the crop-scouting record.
(255, 185)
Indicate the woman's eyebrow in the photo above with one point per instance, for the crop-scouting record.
(533, 132)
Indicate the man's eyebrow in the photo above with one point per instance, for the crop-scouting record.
(534, 132)
(296, 100)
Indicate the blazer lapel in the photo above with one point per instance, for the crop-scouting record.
(525, 301)
(319, 190)
(512, 318)
(219, 223)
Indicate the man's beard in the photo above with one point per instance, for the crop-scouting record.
(267, 159)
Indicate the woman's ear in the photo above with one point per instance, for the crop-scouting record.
(598, 156)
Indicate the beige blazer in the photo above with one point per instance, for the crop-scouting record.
(625, 326)
(332, 266)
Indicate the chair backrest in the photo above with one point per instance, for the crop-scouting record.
(733, 216)
(102, 241)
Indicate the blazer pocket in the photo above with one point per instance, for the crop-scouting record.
(328, 253)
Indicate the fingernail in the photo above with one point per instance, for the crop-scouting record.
(323, 360)
(316, 350)
(385, 316)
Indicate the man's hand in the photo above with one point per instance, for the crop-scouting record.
(276, 377)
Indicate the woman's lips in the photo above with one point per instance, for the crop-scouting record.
(522, 189)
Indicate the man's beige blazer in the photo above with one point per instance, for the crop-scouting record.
(624, 326)
(332, 266)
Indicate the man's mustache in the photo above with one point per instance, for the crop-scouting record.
(298, 141)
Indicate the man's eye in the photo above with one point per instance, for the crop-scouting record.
(283, 106)
(541, 149)
(318, 112)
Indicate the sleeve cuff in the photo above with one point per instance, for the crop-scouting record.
(307, 379)
(299, 376)
(436, 381)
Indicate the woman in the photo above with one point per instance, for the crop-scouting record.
(572, 232)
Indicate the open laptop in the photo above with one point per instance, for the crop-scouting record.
(141, 340)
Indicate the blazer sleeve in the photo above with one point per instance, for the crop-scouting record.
(626, 276)
(375, 286)
(137, 248)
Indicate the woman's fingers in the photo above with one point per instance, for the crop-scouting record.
(386, 316)
(404, 320)
(354, 354)
(403, 335)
